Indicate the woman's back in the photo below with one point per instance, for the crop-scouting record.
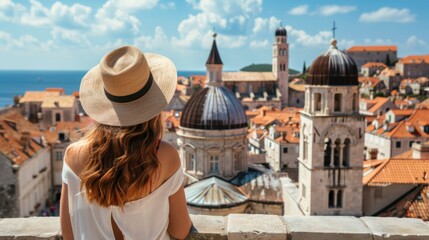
(142, 217)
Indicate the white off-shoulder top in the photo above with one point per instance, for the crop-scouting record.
(145, 218)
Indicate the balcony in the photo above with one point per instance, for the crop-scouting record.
(249, 226)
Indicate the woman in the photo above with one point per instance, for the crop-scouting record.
(120, 181)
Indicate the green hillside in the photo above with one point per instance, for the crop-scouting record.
(263, 68)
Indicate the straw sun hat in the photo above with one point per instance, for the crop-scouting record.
(128, 87)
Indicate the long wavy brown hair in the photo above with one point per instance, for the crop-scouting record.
(121, 161)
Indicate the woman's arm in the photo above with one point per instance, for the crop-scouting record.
(66, 228)
(180, 222)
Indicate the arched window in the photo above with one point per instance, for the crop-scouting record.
(317, 102)
(331, 202)
(337, 102)
(305, 140)
(327, 152)
(337, 152)
(340, 198)
(346, 153)
(191, 162)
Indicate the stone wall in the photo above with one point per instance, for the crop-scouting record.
(8, 189)
(248, 226)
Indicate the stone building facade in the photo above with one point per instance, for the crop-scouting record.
(413, 66)
(331, 143)
(365, 54)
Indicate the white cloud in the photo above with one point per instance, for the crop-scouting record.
(158, 41)
(37, 16)
(415, 41)
(169, 5)
(299, 10)
(76, 15)
(10, 11)
(265, 23)
(230, 19)
(70, 37)
(26, 41)
(231, 41)
(386, 14)
(329, 10)
(259, 44)
(303, 38)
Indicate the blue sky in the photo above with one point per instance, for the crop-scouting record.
(76, 34)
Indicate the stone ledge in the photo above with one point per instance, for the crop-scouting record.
(252, 226)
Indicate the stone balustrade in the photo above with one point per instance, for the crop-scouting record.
(252, 226)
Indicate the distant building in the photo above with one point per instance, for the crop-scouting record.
(25, 167)
(282, 147)
(331, 142)
(297, 93)
(413, 66)
(397, 133)
(369, 69)
(366, 54)
(391, 78)
(376, 106)
(370, 86)
(398, 186)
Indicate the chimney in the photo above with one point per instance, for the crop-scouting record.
(284, 136)
(25, 140)
(420, 151)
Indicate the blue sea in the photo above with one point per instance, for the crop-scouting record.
(13, 83)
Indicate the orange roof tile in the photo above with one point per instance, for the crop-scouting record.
(60, 90)
(379, 102)
(402, 112)
(12, 125)
(413, 59)
(374, 64)
(369, 80)
(372, 48)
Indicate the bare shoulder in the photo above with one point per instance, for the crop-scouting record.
(168, 158)
(71, 156)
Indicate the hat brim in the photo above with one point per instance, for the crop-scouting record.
(102, 110)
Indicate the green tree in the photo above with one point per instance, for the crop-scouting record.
(387, 60)
(304, 69)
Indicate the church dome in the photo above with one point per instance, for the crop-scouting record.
(334, 68)
(213, 108)
(281, 31)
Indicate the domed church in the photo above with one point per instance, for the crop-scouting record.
(213, 128)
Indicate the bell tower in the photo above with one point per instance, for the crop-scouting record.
(281, 63)
(332, 138)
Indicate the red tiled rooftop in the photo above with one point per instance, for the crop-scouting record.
(374, 64)
(372, 48)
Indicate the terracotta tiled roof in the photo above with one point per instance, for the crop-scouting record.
(379, 102)
(248, 76)
(60, 90)
(297, 87)
(173, 117)
(402, 112)
(12, 127)
(401, 171)
(413, 204)
(76, 94)
(374, 64)
(59, 101)
(72, 130)
(394, 92)
(389, 72)
(198, 80)
(415, 59)
(372, 48)
(37, 96)
(373, 81)
(291, 133)
(418, 119)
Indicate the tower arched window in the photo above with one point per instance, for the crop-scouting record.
(327, 152)
(237, 161)
(331, 202)
(340, 198)
(337, 152)
(305, 140)
(346, 153)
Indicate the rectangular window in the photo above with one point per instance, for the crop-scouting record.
(398, 144)
(337, 102)
(303, 190)
(214, 164)
(285, 150)
(191, 161)
(59, 155)
(317, 102)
